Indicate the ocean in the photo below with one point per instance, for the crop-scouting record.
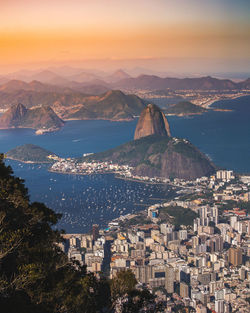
(84, 200)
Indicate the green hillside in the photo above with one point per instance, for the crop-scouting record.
(185, 108)
(114, 105)
(158, 156)
(30, 153)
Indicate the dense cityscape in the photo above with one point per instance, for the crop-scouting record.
(201, 263)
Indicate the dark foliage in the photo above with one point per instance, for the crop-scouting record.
(36, 276)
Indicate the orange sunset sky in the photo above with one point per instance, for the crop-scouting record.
(53, 31)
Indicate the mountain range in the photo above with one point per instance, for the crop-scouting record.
(113, 105)
(71, 77)
(68, 104)
(97, 99)
(50, 76)
(151, 82)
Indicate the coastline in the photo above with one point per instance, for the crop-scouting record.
(27, 162)
(99, 119)
(223, 97)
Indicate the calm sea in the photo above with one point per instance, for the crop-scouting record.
(84, 200)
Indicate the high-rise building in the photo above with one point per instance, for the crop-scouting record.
(184, 290)
(183, 234)
(216, 244)
(235, 256)
(219, 306)
(169, 279)
(95, 232)
(224, 175)
(233, 220)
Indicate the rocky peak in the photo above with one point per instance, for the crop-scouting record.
(152, 122)
(13, 116)
(19, 109)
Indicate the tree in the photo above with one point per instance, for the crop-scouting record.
(127, 299)
(122, 284)
(35, 275)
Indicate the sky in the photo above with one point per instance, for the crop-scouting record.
(65, 31)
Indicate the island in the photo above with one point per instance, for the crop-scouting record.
(30, 153)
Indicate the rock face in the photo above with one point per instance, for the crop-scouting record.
(155, 153)
(20, 117)
(152, 122)
(13, 117)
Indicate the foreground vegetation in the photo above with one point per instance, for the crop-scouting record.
(37, 277)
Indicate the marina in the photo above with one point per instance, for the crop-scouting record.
(85, 200)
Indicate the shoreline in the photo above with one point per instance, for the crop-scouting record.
(27, 162)
(99, 119)
(112, 172)
(224, 97)
(141, 181)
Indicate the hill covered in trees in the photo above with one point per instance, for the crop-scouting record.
(30, 153)
(185, 108)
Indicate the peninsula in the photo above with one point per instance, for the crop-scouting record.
(185, 108)
(43, 117)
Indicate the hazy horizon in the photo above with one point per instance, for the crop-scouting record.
(176, 37)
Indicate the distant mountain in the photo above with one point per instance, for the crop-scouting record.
(30, 153)
(151, 82)
(92, 89)
(65, 70)
(245, 84)
(70, 87)
(83, 77)
(152, 122)
(117, 76)
(37, 86)
(23, 75)
(47, 77)
(113, 105)
(36, 93)
(185, 108)
(15, 85)
(158, 155)
(3, 79)
(20, 117)
(90, 102)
